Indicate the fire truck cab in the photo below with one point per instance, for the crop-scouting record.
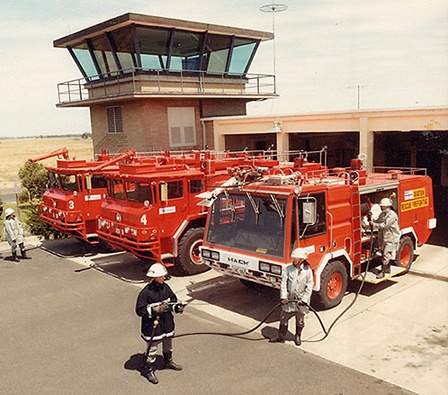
(253, 227)
(71, 204)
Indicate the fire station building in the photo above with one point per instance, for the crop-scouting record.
(155, 83)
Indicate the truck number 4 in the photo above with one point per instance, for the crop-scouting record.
(143, 219)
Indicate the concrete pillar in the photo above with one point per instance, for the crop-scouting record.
(219, 143)
(366, 141)
(282, 142)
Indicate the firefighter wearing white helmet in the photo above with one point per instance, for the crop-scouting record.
(295, 294)
(156, 304)
(14, 234)
(388, 235)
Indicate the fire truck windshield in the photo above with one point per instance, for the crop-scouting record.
(138, 192)
(53, 180)
(69, 182)
(248, 222)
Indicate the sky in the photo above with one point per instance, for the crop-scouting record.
(330, 55)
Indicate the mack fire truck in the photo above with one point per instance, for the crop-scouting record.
(152, 211)
(256, 222)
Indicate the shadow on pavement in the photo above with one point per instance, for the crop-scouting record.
(230, 294)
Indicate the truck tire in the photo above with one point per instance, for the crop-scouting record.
(333, 285)
(405, 253)
(189, 260)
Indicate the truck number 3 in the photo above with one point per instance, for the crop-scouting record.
(71, 204)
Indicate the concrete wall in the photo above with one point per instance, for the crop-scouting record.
(366, 123)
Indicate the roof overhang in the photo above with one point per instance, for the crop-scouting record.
(161, 22)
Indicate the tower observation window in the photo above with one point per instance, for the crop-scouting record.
(84, 59)
(155, 49)
(242, 54)
(153, 46)
(185, 52)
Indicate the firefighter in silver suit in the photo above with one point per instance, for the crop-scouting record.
(388, 235)
(295, 294)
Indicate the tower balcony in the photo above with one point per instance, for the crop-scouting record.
(141, 83)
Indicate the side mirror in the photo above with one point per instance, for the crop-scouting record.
(163, 191)
(88, 182)
(309, 213)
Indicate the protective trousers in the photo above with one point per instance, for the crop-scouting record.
(167, 346)
(286, 316)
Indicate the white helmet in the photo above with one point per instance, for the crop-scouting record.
(385, 202)
(157, 270)
(299, 253)
(8, 212)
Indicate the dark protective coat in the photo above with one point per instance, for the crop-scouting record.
(150, 296)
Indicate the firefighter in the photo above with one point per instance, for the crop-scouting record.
(388, 235)
(156, 304)
(295, 294)
(14, 234)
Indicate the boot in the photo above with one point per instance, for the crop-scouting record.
(150, 375)
(297, 339)
(281, 334)
(24, 256)
(14, 257)
(385, 269)
(169, 364)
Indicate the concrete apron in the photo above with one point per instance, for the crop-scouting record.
(396, 331)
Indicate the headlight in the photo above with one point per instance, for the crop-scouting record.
(264, 266)
(206, 253)
(55, 203)
(118, 217)
(215, 255)
(275, 269)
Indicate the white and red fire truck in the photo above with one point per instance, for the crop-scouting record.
(254, 225)
(152, 211)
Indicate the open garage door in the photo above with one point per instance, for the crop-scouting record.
(424, 149)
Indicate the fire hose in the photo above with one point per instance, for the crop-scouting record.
(324, 329)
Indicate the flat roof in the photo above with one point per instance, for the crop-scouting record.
(156, 21)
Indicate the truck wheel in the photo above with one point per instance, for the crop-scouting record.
(333, 285)
(405, 254)
(189, 259)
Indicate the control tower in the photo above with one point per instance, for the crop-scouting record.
(150, 81)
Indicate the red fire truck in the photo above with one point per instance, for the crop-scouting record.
(152, 211)
(72, 202)
(253, 227)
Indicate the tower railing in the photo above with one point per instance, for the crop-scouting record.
(141, 81)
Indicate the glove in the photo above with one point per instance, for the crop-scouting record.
(284, 301)
(161, 308)
(180, 308)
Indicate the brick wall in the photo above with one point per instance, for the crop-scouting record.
(145, 123)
